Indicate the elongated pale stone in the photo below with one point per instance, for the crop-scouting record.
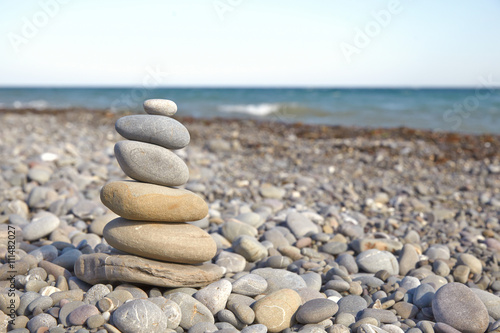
(151, 163)
(162, 107)
(149, 202)
(172, 242)
(103, 268)
(163, 131)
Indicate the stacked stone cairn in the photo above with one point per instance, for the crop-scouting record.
(159, 246)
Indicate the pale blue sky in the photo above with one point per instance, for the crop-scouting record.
(253, 43)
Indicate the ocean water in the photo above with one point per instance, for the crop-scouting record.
(451, 110)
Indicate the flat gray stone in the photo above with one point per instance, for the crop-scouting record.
(151, 163)
(40, 226)
(162, 107)
(41, 320)
(491, 301)
(250, 285)
(454, 304)
(280, 279)
(103, 268)
(159, 130)
(249, 248)
(193, 311)
(372, 261)
(300, 225)
(351, 304)
(215, 295)
(316, 310)
(232, 262)
(171, 310)
(140, 316)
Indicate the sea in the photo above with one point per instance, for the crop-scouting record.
(449, 110)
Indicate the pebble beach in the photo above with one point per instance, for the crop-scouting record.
(317, 229)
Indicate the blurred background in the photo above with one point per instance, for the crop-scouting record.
(419, 64)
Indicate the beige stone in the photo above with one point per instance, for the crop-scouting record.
(172, 242)
(102, 268)
(276, 310)
(149, 202)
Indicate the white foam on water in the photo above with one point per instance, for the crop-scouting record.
(260, 110)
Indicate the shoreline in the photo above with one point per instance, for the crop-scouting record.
(453, 145)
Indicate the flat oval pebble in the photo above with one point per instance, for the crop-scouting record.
(316, 310)
(454, 303)
(80, 315)
(250, 285)
(149, 202)
(215, 295)
(140, 316)
(192, 310)
(151, 163)
(372, 261)
(103, 268)
(40, 226)
(159, 130)
(279, 279)
(162, 107)
(172, 242)
(276, 310)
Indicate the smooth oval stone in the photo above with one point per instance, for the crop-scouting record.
(140, 316)
(80, 315)
(276, 310)
(159, 130)
(41, 226)
(372, 261)
(103, 268)
(149, 202)
(280, 279)
(454, 303)
(151, 163)
(250, 285)
(172, 242)
(192, 310)
(215, 295)
(41, 320)
(316, 310)
(162, 107)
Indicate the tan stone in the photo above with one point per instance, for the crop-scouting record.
(276, 310)
(102, 268)
(172, 242)
(150, 202)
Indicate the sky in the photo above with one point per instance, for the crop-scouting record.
(205, 43)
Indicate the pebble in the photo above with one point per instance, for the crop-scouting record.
(156, 129)
(149, 202)
(272, 192)
(454, 303)
(372, 261)
(147, 239)
(139, 316)
(215, 295)
(40, 226)
(279, 279)
(351, 304)
(249, 285)
(161, 166)
(41, 320)
(249, 248)
(192, 310)
(470, 261)
(171, 310)
(102, 268)
(491, 301)
(316, 310)
(277, 309)
(300, 225)
(80, 315)
(231, 262)
(408, 259)
(232, 229)
(162, 107)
